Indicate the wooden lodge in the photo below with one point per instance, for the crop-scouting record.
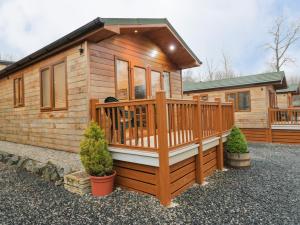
(161, 144)
(288, 97)
(260, 109)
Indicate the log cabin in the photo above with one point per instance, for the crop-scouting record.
(256, 111)
(160, 143)
(288, 97)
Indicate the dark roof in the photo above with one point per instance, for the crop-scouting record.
(38, 55)
(291, 88)
(80, 32)
(5, 62)
(257, 79)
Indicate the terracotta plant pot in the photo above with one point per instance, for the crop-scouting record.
(102, 186)
(238, 160)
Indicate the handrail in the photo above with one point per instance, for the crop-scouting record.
(287, 116)
(135, 124)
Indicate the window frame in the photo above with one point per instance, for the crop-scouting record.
(147, 91)
(204, 95)
(236, 105)
(150, 79)
(21, 103)
(170, 81)
(52, 100)
(116, 77)
(148, 68)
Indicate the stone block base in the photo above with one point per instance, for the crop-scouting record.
(78, 183)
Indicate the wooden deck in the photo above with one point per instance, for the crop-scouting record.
(284, 127)
(161, 146)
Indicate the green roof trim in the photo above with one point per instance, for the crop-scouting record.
(290, 88)
(263, 78)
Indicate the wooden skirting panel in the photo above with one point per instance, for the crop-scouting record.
(136, 177)
(144, 178)
(210, 161)
(182, 175)
(286, 136)
(256, 135)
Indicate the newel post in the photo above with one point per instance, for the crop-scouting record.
(93, 114)
(220, 151)
(270, 120)
(198, 134)
(163, 150)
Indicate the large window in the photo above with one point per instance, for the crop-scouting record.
(155, 82)
(139, 83)
(54, 87)
(167, 84)
(241, 100)
(19, 92)
(59, 86)
(122, 74)
(296, 100)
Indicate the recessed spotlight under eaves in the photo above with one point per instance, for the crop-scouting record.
(172, 47)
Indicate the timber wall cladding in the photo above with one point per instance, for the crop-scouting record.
(258, 116)
(286, 136)
(135, 48)
(282, 101)
(56, 129)
(137, 177)
(256, 135)
(144, 179)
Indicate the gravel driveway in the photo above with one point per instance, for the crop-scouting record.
(268, 193)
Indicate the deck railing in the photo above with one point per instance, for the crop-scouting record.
(289, 116)
(136, 124)
(227, 116)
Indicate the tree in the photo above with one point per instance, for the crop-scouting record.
(226, 70)
(283, 37)
(187, 76)
(293, 79)
(5, 57)
(211, 69)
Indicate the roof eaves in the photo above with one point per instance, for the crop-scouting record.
(141, 21)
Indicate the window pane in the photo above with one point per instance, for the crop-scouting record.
(244, 101)
(59, 76)
(16, 89)
(46, 88)
(139, 83)
(204, 97)
(122, 79)
(167, 84)
(296, 101)
(232, 98)
(21, 97)
(155, 82)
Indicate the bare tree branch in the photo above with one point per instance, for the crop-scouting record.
(283, 39)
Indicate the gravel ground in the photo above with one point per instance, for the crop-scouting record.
(268, 193)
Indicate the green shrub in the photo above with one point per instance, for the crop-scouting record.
(236, 142)
(94, 153)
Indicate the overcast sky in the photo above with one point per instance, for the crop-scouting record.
(237, 27)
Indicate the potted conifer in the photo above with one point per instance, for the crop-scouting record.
(97, 160)
(237, 154)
